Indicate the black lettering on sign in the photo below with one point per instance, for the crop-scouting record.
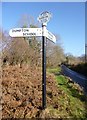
(25, 30)
(29, 34)
(19, 30)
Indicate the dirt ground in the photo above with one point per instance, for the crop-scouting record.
(22, 92)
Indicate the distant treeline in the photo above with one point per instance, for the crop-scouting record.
(80, 68)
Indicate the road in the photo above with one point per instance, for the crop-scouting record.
(76, 77)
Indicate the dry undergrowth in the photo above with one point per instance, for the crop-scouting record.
(22, 94)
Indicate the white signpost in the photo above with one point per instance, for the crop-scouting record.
(25, 32)
(44, 19)
(50, 36)
(45, 34)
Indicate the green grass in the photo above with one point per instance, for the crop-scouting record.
(54, 70)
(76, 98)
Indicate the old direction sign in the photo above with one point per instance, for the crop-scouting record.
(50, 36)
(44, 17)
(25, 32)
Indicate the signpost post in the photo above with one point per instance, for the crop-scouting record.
(44, 33)
(43, 68)
(44, 18)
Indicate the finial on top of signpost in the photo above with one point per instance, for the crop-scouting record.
(44, 17)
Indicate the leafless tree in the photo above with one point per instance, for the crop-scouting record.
(55, 54)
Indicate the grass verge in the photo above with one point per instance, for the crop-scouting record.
(73, 101)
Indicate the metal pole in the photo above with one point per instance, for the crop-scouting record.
(43, 68)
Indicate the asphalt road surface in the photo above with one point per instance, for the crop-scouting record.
(76, 77)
